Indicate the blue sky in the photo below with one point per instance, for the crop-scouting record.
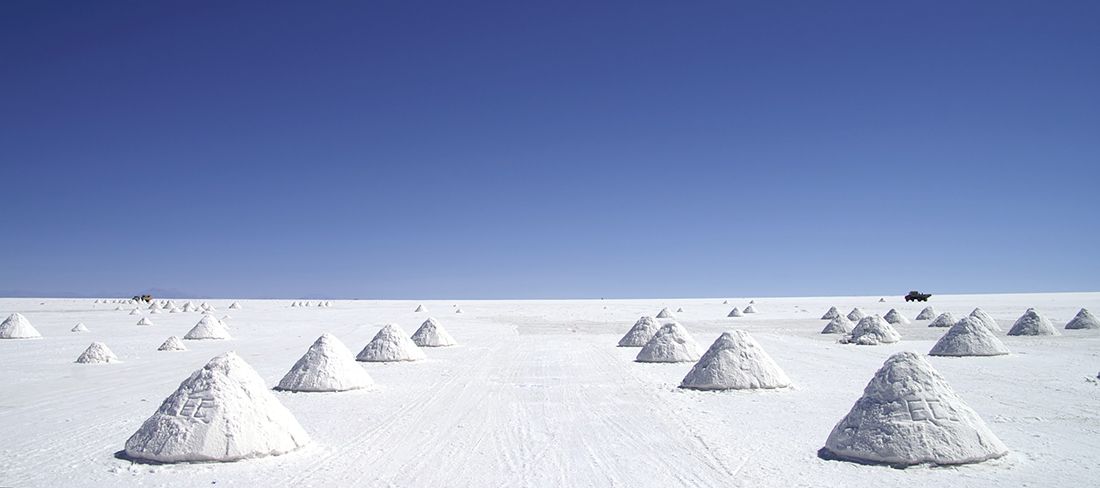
(563, 149)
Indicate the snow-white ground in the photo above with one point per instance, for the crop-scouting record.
(537, 394)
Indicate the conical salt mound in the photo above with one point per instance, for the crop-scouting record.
(391, 344)
(750, 309)
(969, 337)
(735, 313)
(986, 320)
(152, 306)
(222, 412)
(642, 331)
(671, 344)
(97, 353)
(909, 415)
(895, 318)
(209, 327)
(235, 306)
(665, 313)
(173, 310)
(118, 308)
(420, 308)
(155, 310)
(831, 314)
(872, 331)
(145, 321)
(680, 310)
(735, 362)
(80, 327)
(1032, 324)
(327, 366)
(293, 304)
(839, 325)
(431, 334)
(1083, 320)
(725, 302)
(135, 312)
(173, 343)
(856, 315)
(943, 320)
(928, 313)
(882, 300)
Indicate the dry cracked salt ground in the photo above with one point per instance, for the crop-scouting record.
(538, 394)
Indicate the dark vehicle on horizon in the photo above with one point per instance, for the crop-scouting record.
(916, 296)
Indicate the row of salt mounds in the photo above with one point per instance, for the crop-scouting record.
(856, 314)
(895, 318)
(431, 334)
(665, 313)
(1083, 320)
(390, 344)
(735, 361)
(97, 353)
(209, 327)
(928, 313)
(222, 412)
(642, 331)
(986, 320)
(832, 313)
(79, 327)
(1031, 323)
(172, 343)
(872, 331)
(16, 326)
(943, 320)
(326, 366)
(969, 337)
(839, 325)
(735, 313)
(910, 415)
(671, 344)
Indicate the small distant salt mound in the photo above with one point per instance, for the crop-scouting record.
(293, 304)
(145, 321)
(680, 310)
(431, 334)
(97, 353)
(735, 362)
(16, 326)
(671, 344)
(839, 325)
(391, 344)
(326, 366)
(166, 305)
(1032, 324)
(882, 300)
(173, 343)
(943, 320)
(135, 312)
(187, 307)
(155, 310)
(735, 313)
(909, 415)
(856, 315)
(235, 306)
(928, 313)
(642, 331)
(969, 337)
(118, 308)
(97, 301)
(208, 328)
(1083, 320)
(458, 310)
(209, 308)
(665, 313)
(752, 302)
(750, 309)
(80, 327)
(420, 308)
(986, 320)
(328, 303)
(173, 310)
(222, 412)
(872, 331)
(725, 302)
(895, 318)
(831, 314)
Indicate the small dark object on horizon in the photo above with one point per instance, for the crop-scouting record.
(917, 296)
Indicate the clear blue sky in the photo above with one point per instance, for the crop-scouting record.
(412, 149)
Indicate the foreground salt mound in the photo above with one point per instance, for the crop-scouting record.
(671, 344)
(642, 331)
(431, 334)
(909, 415)
(928, 313)
(222, 412)
(839, 325)
(208, 328)
(943, 320)
(856, 314)
(735, 361)
(872, 331)
(326, 366)
(16, 326)
(969, 337)
(97, 353)
(80, 327)
(895, 318)
(986, 320)
(750, 308)
(1032, 324)
(391, 344)
(831, 314)
(1083, 320)
(665, 313)
(735, 313)
(173, 343)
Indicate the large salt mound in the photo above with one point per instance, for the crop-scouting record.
(665, 313)
(986, 320)
(872, 331)
(97, 353)
(750, 309)
(895, 318)
(969, 337)
(856, 315)
(80, 327)
(943, 320)
(839, 325)
(222, 412)
(327, 366)
(391, 344)
(642, 331)
(928, 313)
(173, 343)
(735, 313)
(671, 344)
(431, 334)
(16, 326)
(1083, 320)
(735, 362)
(209, 327)
(909, 415)
(831, 314)
(1032, 324)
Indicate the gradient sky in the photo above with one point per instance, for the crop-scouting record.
(508, 149)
